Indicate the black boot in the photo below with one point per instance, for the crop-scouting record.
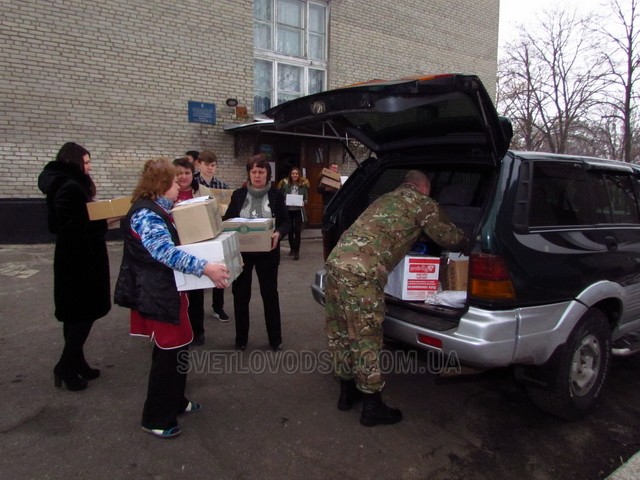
(85, 371)
(375, 411)
(349, 394)
(73, 381)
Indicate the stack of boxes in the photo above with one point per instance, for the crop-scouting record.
(418, 276)
(199, 227)
(330, 179)
(203, 233)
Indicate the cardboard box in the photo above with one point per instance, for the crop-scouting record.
(254, 234)
(458, 274)
(330, 179)
(294, 200)
(225, 248)
(223, 197)
(197, 219)
(330, 183)
(116, 207)
(330, 174)
(454, 272)
(414, 278)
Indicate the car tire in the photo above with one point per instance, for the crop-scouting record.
(581, 371)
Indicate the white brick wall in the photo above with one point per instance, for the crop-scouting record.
(116, 75)
(394, 39)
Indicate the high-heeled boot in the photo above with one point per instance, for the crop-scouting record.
(85, 371)
(349, 394)
(375, 411)
(72, 380)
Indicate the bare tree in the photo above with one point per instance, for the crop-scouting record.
(552, 78)
(621, 52)
(515, 95)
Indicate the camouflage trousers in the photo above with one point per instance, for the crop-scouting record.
(354, 308)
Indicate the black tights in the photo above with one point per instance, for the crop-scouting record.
(75, 336)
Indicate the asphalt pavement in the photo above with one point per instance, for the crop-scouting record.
(271, 415)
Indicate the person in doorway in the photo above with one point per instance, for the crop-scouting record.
(295, 184)
(147, 286)
(259, 200)
(191, 189)
(81, 283)
(327, 191)
(357, 270)
(208, 165)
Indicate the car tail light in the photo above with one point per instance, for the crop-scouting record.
(489, 278)
(432, 342)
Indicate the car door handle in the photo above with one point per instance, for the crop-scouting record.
(611, 243)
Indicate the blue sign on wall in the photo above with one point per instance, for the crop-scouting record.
(200, 112)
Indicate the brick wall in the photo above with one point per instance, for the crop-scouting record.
(116, 75)
(393, 39)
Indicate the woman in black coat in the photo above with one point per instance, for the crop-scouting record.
(259, 200)
(81, 288)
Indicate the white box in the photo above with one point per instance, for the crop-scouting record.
(414, 277)
(294, 200)
(225, 248)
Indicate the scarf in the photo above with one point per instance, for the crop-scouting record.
(256, 205)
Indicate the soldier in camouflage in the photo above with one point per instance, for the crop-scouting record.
(357, 270)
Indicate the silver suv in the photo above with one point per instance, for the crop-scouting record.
(554, 263)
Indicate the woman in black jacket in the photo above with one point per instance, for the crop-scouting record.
(259, 200)
(81, 288)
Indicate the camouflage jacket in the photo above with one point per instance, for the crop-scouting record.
(386, 231)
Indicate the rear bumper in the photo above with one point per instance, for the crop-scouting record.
(488, 338)
(481, 339)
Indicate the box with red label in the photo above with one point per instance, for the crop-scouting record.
(414, 277)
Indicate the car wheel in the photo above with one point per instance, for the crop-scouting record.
(580, 372)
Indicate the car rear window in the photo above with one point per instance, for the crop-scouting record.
(566, 194)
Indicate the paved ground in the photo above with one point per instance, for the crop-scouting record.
(274, 416)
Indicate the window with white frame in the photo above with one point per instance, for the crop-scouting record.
(290, 50)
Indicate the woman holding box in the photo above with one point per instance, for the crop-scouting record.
(258, 200)
(295, 184)
(190, 188)
(146, 285)
(81, 285)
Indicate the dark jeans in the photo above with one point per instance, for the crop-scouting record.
(296, 227)
(165, 392)
(75, 336)
(196, 307)
(266, 264)
(217, 298)
(196, 311)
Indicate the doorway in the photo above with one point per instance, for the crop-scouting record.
(314, 158)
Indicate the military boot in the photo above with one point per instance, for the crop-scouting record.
(349, 394)
(375, 411)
